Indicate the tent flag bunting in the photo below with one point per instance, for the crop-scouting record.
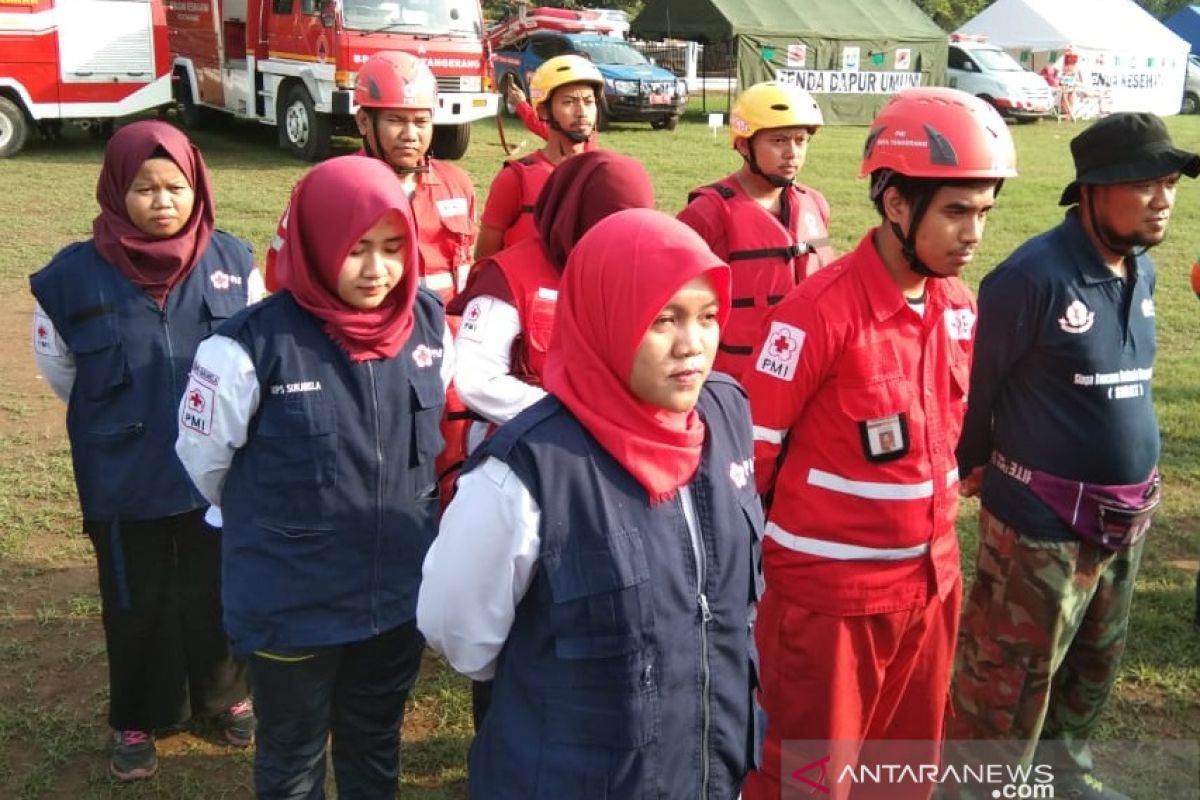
(852, 56)
(1125, 54)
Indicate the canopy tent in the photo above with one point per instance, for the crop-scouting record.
(1186, 23)
(853, 55)
(1124, 52)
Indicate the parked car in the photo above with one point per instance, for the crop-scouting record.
(635, 89)
(1191, 87)
(987, 71)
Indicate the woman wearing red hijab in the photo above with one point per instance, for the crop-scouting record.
(117, 322)
(611, 594)
(312, 419)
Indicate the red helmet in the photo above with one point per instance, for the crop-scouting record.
(936, 132)
(394, 79)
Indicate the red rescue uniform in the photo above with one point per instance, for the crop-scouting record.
(856, 630)
(768, 258)
(444, 205)
(514, 193)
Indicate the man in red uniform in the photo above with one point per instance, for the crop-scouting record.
(564, 91)
(396, 96)
(856, 392)
(771, 230)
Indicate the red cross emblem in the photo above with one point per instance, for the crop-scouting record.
(42, 332)
(196, 400)
(422, 356)
(473, 312)
(782, 346)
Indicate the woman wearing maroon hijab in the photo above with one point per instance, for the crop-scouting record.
(118, 319)
(317, 434)
(611, 594)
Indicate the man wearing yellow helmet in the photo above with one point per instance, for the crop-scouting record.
(772, 230)
(565, 92)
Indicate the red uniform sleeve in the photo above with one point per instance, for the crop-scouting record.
(535, 124)
(790, 363)
(706, 216)
(503, 201)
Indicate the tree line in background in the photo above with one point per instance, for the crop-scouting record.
(949, 14)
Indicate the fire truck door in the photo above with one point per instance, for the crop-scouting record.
(105, 41)
(285, 33)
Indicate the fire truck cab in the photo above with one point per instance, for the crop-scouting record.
(292, 63)
(84, 61)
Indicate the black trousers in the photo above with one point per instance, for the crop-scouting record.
(353, 694)
(160, 594)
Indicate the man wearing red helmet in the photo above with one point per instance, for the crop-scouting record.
(856, 393)
(396, 96)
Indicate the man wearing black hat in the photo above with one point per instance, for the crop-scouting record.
(1062, 443)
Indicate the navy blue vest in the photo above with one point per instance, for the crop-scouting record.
(332, 502)
(132, 361)
(619, 678)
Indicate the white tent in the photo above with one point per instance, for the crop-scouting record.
(1123, 51)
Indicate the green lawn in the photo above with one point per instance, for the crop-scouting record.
(52, 685)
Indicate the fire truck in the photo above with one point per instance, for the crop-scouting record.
(292, 63)
(84, 61)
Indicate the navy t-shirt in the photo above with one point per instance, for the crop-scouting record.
(1064, 353)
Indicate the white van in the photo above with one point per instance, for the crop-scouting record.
(987, 71)
(1191, 87)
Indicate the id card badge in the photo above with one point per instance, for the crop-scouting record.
(885, 438)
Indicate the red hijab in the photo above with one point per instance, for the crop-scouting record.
(583, 190)
(331, 208)
(618, 277)
(154, 264)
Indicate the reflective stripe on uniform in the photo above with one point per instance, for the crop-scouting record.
(768, 435)
(838, 550)
(873, 490)
(438, 281)
(461, 272)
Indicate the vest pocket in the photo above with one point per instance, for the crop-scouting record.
(296, 445)
(429, 398)
(614, 719)
(221, 305)
(100, 365)
(872, 384)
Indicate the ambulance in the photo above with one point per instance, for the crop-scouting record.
(292, 63)
(83, 61)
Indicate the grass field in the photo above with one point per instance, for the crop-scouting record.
(52, 666)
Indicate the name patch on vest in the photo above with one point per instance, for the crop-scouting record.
(196, 411)
(44, 341)
(452, 207)
(223, 280)
(781, 351)
(294, 388)
(475, 319)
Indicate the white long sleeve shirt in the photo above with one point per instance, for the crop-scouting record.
(224, 378)
(484, 377)
(474, 576)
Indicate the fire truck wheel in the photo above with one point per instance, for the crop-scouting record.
(450, 141)
(302, 131)
(192, 116)
(14, 128)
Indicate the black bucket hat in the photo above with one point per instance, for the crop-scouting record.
(1125, 148)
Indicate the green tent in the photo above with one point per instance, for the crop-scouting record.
(852, 55)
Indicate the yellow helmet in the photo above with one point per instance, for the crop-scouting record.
(772, 105)
(559, 71)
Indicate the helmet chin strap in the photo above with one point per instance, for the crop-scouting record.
(373, 150)
(908, 241)
(574, 136)
(778, 181)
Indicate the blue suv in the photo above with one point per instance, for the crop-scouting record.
(635, 90)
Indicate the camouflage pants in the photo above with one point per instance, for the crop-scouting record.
(1040, 643)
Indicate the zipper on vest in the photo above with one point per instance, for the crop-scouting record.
(378, 500)
(692, 523)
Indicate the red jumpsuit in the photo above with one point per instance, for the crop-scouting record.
(767, 258)
(514, 193)
(856, 630)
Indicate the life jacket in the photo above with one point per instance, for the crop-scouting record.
(443, 205)
(641, 651)
(533, 171)
(332, 502)
(131, 366)
(534, 281)
(767, 259)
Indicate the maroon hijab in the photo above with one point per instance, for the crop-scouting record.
(331, 208)
(151, 263)
(583, 190)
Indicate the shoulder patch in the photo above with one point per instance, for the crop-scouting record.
(780, 352)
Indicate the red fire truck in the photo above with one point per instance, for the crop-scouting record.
(292, 63)
(86, 61)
